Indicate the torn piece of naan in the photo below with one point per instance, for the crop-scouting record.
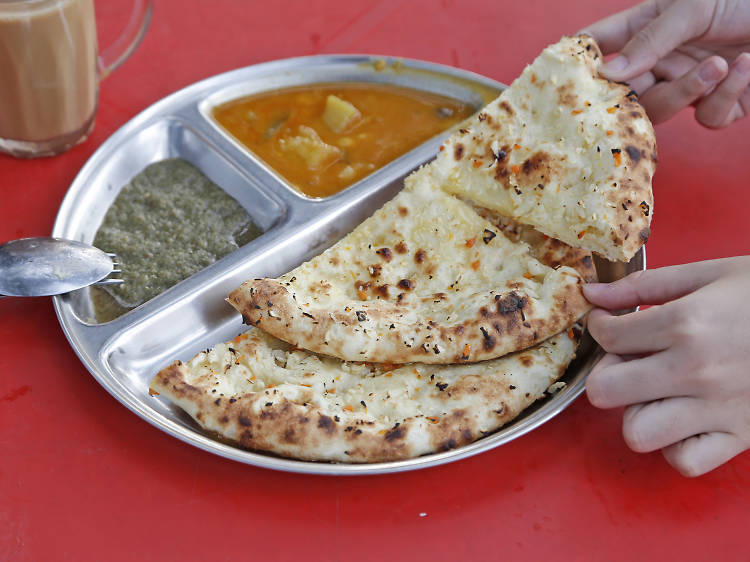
(549, 251)
(262, 394)
(425, 279)
(561, 149)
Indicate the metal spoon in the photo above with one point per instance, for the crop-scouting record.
(35, 267)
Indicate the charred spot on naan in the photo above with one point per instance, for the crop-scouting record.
(171, 377)
(379, 444)
(566, 95)
(471, 385)
(555, 253)
(536, 169)
(277, 423)
(455, 431)
(506, 107)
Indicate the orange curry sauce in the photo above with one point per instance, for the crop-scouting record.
(291, 129)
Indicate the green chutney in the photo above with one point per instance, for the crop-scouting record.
(168, 223)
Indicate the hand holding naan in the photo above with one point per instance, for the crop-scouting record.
(677, 53)
(682, 367)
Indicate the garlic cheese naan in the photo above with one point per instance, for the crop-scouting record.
(563, 150)
(425, 279)
(264, 395)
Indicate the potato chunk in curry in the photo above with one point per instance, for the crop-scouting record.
(339, 114)
(308, 146)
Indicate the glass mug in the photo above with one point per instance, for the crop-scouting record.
(50, 69)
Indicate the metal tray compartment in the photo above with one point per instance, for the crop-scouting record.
(124, 354)
(168, 138)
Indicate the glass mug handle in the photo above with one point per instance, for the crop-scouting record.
(118, 52)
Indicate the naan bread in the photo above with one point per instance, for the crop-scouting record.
(264, 395)
(425, 279)
(549, 251)
(563, 150)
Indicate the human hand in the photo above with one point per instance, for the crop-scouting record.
(682, 367)
(676, 53)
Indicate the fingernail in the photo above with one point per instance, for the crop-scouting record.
(617, 64)
(710, 73)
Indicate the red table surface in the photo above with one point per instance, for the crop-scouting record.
(82, 478)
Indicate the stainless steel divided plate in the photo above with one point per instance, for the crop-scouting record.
(123, 355)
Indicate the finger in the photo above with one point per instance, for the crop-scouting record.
(645, 331)
(613, 32)
(670, 67)
(653, 286)
(678, 23)
(616, 383)
(675, 65)
(602, 366)
(745, 103)
(655, 425)
(643, 82)
(667, 99)
(700, 454)
(721, 107)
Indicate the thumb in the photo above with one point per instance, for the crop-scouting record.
(680, 22)
(653, 286)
